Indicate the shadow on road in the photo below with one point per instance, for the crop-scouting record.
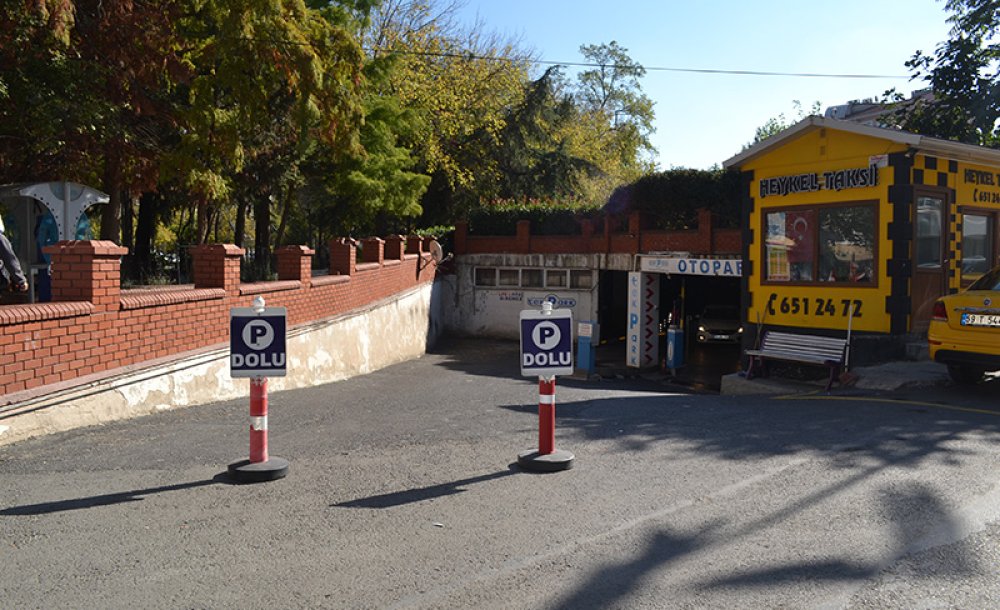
(45, 508)
(421, 494)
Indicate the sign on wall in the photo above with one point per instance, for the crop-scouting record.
(692, 266)
(643, 345)
(546, 342)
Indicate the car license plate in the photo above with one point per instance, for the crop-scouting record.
(980, 319)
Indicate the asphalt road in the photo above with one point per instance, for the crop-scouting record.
(401, 494)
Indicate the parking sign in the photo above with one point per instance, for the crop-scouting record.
(257, 342)
(546, 342)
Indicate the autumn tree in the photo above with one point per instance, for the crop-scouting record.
(82, 85)
(459, 81)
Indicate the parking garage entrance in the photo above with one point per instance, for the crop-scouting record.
(698, 296)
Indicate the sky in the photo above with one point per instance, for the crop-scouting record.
(704, 119)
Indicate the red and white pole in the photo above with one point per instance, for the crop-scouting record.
(546, 415)
(547, 458)
(258, 419)
(260, 466)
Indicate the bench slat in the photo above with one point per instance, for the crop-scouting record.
(811, 349)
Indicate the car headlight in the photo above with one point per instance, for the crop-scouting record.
(740, 330)
(701, 329)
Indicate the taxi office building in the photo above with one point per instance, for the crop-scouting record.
(852, 226)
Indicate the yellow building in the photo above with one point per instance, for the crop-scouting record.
(851, 224)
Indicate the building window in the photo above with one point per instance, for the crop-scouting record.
(555, 278)
(930, 211)
(531, 278)
(486, 276)
(977, 245)
(510, 278)
(828, 244)
(581, 279)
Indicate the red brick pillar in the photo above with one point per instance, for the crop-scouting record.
(394, 248)
(705, 230)
(217, 266)
(634, 223)
(462, 237)
(373, 250)
(295, 263)
(343, 256)
(523, 236)
(415, 244)
(586, 234)
(87, 271)
(634, 230)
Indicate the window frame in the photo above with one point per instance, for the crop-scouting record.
(993, 224)
(818, 208)
(475, 277)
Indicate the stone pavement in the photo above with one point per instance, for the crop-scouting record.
(886, 377)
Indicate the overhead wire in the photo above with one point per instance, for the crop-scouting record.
(472, 56)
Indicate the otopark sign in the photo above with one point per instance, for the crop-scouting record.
(257, 351)
(546, 351)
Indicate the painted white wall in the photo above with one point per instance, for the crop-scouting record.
(493, 312)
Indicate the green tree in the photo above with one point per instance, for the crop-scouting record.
(374, 189)
(776, 125)
(459, 82)
(964, 75)
(612, 92)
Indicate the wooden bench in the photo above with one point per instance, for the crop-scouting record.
(792, 347)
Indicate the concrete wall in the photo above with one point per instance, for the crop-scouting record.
(493, 311)
(384, 333)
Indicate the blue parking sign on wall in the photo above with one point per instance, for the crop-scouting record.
(257, 342)
(546, 342)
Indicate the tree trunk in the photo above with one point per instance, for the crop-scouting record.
(262, 237)
(289, 200)
(111, 214)
(202, 227)
(144, 231)
(128, 215)
(240, 230)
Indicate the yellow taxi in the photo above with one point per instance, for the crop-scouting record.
(965, 330)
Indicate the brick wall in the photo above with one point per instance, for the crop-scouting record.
(92, 326)
(705, 240)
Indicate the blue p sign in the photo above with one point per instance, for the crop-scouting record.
(546, 342)
(257, 342)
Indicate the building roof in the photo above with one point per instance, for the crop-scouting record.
(924, 144)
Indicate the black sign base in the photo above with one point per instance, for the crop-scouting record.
(545, 462)
(246, 471)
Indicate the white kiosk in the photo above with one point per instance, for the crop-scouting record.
(67, 202)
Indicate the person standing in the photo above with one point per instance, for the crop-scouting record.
(18, 282)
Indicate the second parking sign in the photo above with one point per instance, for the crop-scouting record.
(546, 342)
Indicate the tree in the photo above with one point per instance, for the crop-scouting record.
(83, 82)
(964, 75)
(374, 185)
(612, 91)
(776, 125)
(459, 82)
